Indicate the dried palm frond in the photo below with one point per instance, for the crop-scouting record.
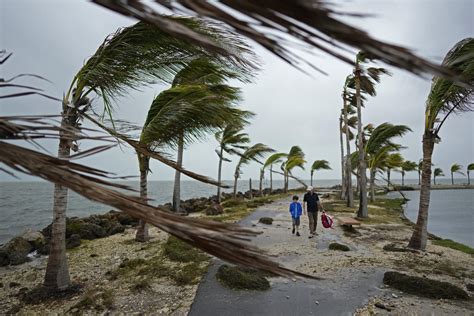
(226, 241)
(268, 22)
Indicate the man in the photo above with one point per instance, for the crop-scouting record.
(311, 204)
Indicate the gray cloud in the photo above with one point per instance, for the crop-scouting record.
(54, 38)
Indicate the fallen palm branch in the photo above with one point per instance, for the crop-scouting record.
(225, 241)
(315, 24)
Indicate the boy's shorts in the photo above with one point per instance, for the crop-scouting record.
(296, 221)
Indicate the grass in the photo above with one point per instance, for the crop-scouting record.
(242, 278)
(95, 299)
(177, 250)
(141, 285)
(448, 243)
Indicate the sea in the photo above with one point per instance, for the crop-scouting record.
(28, 205)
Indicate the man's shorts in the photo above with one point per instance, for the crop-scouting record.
(296, 221)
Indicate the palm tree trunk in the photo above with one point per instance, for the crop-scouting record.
(388, 178)
(271, 179)
(434, 180)
(452, 178)
(260, 187)
(419, 237)
(177, 176)
(250, 188)
(350, 194)
(285, 180)
(142, 231)
(419, 177)
(403, 178)
(468, 179)
(236, 177)
(219, 174)
(57, 271)
(311, 179)
(363, 210)
(343, 178)
(372, 185)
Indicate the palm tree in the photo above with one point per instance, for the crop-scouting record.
(197, 104)
(393, 161)
(252, 153)
(407, 166)
(276, 158)
(295, 158)
(455, 168)
(438, 172)
(364, 82)
(470, 167)
(343, 163)
(130, 58)
(445, 98)
(319, 165)
(380, 147)
(232, 140)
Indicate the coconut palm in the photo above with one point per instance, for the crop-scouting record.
(232, 140)
(470, 167)
(198, 103)
(379, 147)
(319, 165)
(407, 166)
(455, 168)
(343, 163)
(364, 81)
(252, 153)
(276, 158)
(130, 58)
(438, 172)
(393, 161)
(445, 98)
(294, 159)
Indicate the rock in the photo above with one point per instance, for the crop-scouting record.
(115, 228)
(394, 295)
(382, 306)
(325, 196)
(338, 246)
(44, 249)
(15, 251)
(36, 239)
(266, 220)
(85, 229)
(73, 241)
(316, 302)
(14, 284)
(215, 209)
(397, 248)
(423, 286)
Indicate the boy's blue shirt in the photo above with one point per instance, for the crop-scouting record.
(296, 209)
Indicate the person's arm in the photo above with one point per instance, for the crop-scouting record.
(320, 204)
(304, 205)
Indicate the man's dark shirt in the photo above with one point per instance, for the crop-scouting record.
(311, 200)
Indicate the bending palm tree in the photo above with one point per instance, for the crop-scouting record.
(470, 167)
(438, 172)
(407, 166)
(130, 58)
(445, 98)
(455, 168)
(294, 159)
(276, 158)
(252, 153)
(343, 163)
(231, 140)
(349, 122)
(393, 161)
(319, 165)
(364, 82)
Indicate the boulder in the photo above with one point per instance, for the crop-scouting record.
(339, 247)
(115, 228)
(73, 241)
(215, 209)
(36, 239)
(266, 220)
(85, 229)
(15, 251)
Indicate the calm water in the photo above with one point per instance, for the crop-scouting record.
(451, 213)
(27, 205)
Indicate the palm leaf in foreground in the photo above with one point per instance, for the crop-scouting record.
(314, 23)
(226, 241)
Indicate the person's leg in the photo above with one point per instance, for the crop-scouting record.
(311, 222)
(293, 224)
(297, 224)
(315, 221)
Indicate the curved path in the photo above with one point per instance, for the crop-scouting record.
(340, 293)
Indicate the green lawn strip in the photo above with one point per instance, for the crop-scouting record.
(448, 243)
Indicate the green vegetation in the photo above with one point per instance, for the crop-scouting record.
(454, 245)
(266, 220)
(423, 286)
(94, 299)
(338, 246)
(241, 278)
(177, 250)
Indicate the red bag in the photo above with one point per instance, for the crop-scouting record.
(326, 220)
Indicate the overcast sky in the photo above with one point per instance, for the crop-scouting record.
(54, 38)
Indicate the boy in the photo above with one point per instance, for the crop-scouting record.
(296, 210)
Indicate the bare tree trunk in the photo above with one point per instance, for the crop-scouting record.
(236, 177)
(142, 231)
(250, 188)
(219, 174)
(372, 185)
(363, 211)
(271, 179)
(350, 193)
(343, 178)
(57, 271)
(420, 234)
(177, 176)
(260, 188)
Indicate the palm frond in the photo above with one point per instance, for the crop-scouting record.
(383, 134)
(470, 167)
(456, 168)
(252, 153)
(438, 172)
(274, 158)
(320, 165)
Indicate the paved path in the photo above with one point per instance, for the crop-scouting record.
(340, 295)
